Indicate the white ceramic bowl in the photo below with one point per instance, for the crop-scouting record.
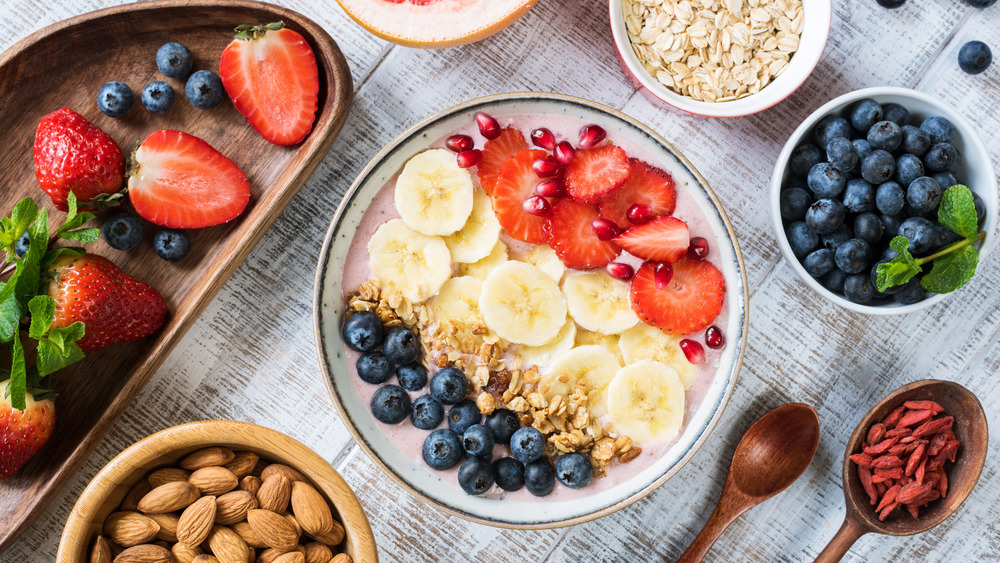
(816, 29)
(976, 172)
(414, 475)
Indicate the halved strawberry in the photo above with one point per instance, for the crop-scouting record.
(572, 236)
(688, 304)
(664, 239)
(515, 184)
(495, 152)
(179, 181)
(270, 73)
(596, 172)
(647, 185)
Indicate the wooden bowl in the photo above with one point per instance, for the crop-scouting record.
(106, 491)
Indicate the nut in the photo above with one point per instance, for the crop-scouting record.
(167, 475)
(205, 558)
(233, 507)
(290, 557)
(288, 472)
(275, 492)
(169, 497)
(196, 521)
(271, 555)
(207, 457)
(129, 529)
(246, 532)
(139, 490)
(214, 480)
(251, 484)
(311, 509)
(145, 553)
(101, 552)
(228, 546)
(273, 529)
(318, 553)
(341, 558)
(168, 526)
(331, 538)
(185, 553)
(242, 464)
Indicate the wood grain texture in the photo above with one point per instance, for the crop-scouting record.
(251, 356)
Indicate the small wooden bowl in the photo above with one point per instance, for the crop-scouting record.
(106, 491)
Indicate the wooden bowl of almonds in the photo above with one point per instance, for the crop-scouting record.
(217, 491)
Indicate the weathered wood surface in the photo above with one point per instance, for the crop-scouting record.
(251, 355)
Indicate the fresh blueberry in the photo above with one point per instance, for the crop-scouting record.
(945, 179)
(864, 114)
(204, 89)
(854, 256)
(463, 415)
(888, 253)
(115, 99)
(539, 477)
(391, 404)
(889, 198)
(527, 445)
(974, 57)
(803, 158)
(980, 3)
(373, 367)
(878, 167)
(171, 244)
(509, 473)
(885, 135)
(478, 440)
(801, 239)
(449, 386)
(915, 140)
(980, 205)
(896, 114)
(825, 215)
(122, 231)
(891, 4)
(943, 236)
(834, 280)
(818, 262)
(158, 97)
(574, 470)
(908, 169)
(794, 203)
(475, 475)
(842, 154)
(923, 195)
(859, 196)
(503, 423)
(412, 376)
(174, 60)
(427, 413)
(363, 331)
(825, 180)
(401, 346)
(442, 449)
(910, 293)
(940, 129)
(920, 233)
(829, 128)
(941, 157)
(864, 149)
(858, 288)
(832, 240)
(869, 228)
(892, 223)
(21, 247)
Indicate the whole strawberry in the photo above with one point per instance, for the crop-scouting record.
(73, 154)
(112, 305)
(23, 432)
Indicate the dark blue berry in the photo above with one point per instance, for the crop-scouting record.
(174, 60)
(363, 331)
(910, 293)
(920, 233)
(892, 223)
(834, 280)
(942, 157)
(478, 440)
(923, 195)
(974, 57)
(836, 238)
(908, 169)
(940, 129)
(945, 179)
(829, 128)
(509, 473)
(158, 97)
(869, 228)
(412, 376)
(527, 445)
(539, 477)
(115, 99)
(442, 449)
(204, 89)
(21, 247)
(171, 244)
(574, 470)
(449, 386)
(801, 239)
(980, 3)
(854, 256)
(858, 289)
(878, 167)
(825, 180)
(503, 423)
(475, 475)
(803, 158)
(373, 367)
(842, 154)
(818, 262)
(122, 231)
(825, 215)
(793, 204)
(915, 140)
(891, 4)
(859, 196)
(401, 346)
(864, 149)
(889, 198)
(896, 114)
(885, 135)
(980, 205)
(427, 413)
(864, 114)
(463, 415)
(391, 404)
(943, 236)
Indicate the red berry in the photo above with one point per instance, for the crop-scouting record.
(664, 239)
(549, 188)
(543, 138)
(459, 143)
(488, 127)
(495, 152)
(564, 152)
(571, 235)
(621, 271)
(647, 186)
(537, 206)
(698, 249)
(546, 167)
(590, 135)
(606, 230)
(690, 301)
(662, 274)
(693, 351)
(595, 173)
(639, 214)
(515, 183)
(469, 158)
(714, 338)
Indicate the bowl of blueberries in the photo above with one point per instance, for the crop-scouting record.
(868, 167)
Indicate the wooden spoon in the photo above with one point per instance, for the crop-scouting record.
(970, 429)
(769, 458)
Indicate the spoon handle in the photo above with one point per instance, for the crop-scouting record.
(848, 533)
(728, 510)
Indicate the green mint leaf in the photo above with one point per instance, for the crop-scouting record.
(951, 271)
(70, 228)
(29, 266)
(10, 314)
(81, 235)
(957, 211)
(18, 374)
(900, 269)
(17, 224)
(43, 310)
(52, 255)
(59, 349)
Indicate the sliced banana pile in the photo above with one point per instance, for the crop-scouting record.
(483, 267)
(644, 342)
(457, 303)
(522, 304)
(599, 302)
(542, 355)
(594, 365)
(546, 259)
(609, 341)
(646, 401)
(476, 239)
(433, 195)
(416, 264)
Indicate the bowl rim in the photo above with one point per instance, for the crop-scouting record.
(969, 138)
(321, 272)
(734, 108)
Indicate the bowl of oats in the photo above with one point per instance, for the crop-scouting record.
(719, 58)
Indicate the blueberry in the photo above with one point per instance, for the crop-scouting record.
(801, 239)
(889, 198)
(941, 157)
(908, 169)
(174, 60)
(412, 376)
(401, 346)
(980, 3)
(891, 224)
(171, 244)
(373, 367)
(859, 196)
(834, 280)
(478, 440)
(825, 215)
(915, 140)
(842, 154)
(509, 473)
(891, 4)
(836, 238)
(204, 89)
(449, 386)
(885, 135)
(943, 236)
(865, 113)
(803, 158)
(427, 413)
(945, 179)
(980, 205)
(896, 114)
(464, 414)
(825, 180)
(391, 404)
(974, 57)
(864, 149)
(574, 470)
(115, 99)
(920, 233)
(122, 231)
(527, 445)
(363, 331)
(21, 247)
(475, 475)
(859, 289)
(503, 423)
(818, 262)
(539, 477)
(868, 227)
(158, 97)
(794, 203)
(923, 195)
(940, 129)
(829, 128)
(878, 167)
(854, 256)
(910, 293)
(888, 253)
(442, 449)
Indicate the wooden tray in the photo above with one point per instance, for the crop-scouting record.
(64, 65)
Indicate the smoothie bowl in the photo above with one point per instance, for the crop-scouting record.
(542, 287)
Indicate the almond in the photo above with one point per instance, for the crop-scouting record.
(169, 497)
(167, 475)
(196, 521)
(228, 546)
(291, 518)
(101, 552)
(243, 464)
(168, 526)
(145, 553)
(311, 509)
(271, 555)
(341, 558)
(290, 557)
(275, 493)
(288, 472)
(185, 553)
(331, 538)
(318, 553)
(205, 558)
(132, 497)
(233, 507)
(214, 480)
(273, 529)
(128, 529)
(246, 532)
(251, 484)
(207, 457)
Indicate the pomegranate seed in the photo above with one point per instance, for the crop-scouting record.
(469, 158)
(714, 338)
(459, 143)
(620, 270)
(662, 274)
(590, 135)
(693, 351)
(698, 249)
(549, 188)
(639, 214)
(543, 138)
(537, 205)
(564, 152)
(489, 127)
(606, 230)
(546, 167)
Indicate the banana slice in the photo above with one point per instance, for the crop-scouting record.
(522, 304)
(644, 342)
(418, 265)
(545, 258)
(433, 195)
(542, 355)
(609, 341)
(483, 267)
(457, 304)
(646, 402)
(476, 239)
(599, 302)
(594, 364)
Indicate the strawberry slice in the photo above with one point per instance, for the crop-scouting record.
(270, 73)
(515, 184)
(596, 172)
(664, 239)
(495, 152)
(688, 304)
(179, 181)
(646, 185)
(572, 236)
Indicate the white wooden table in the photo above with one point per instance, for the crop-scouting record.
(251, 356)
